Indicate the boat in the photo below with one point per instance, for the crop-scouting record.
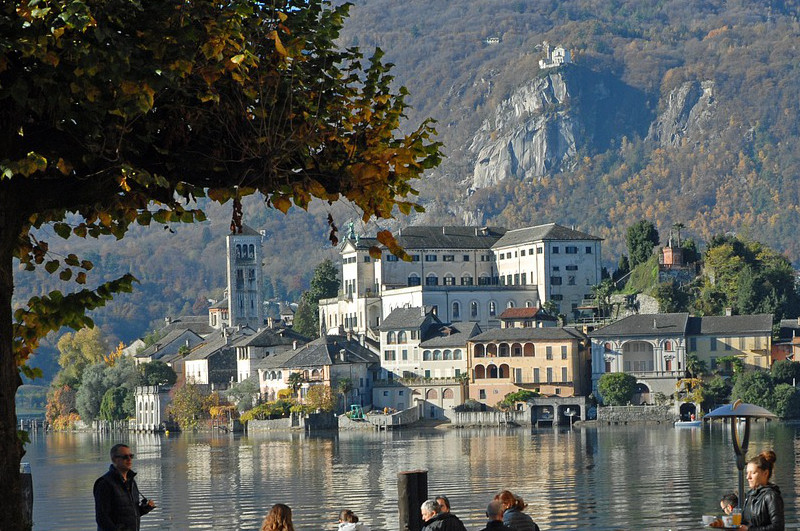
(688, 423)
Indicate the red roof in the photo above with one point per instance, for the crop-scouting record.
(519, 313)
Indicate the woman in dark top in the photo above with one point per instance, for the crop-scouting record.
(763, 504)
(513, 516)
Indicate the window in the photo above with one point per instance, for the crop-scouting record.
(712, 343)
(448, 258)
(570, 280)
(366, 258)
(557, 297)
(668, 346)
(563, 352)
(693, 344)
(539, 250)
(402, 337)
(430, 258)
(482, 394)
(404, 355)
(535, 375)
(391, 338)
(389, 355)
(524, 278)
(564, 377)
(728, 344)
(457, 356)
(389, 258)
(510, 304)
(432, 280)
(522, 252)
(571, 249)
(456, 310)
(413, 280)
(572, 268)
(466, 280)
(588, 249)
(549, 351)
(549, 375)
(466, 258)
(386, 393)
(415, 258)
(492, 308)
(473, 310)
(556, 269)
(449, 280)
(516, 279)
(426, 355)
(556, 281)
(555, 249)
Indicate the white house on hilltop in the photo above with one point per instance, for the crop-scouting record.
(554, 57)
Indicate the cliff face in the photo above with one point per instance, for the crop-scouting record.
(543, 125)
(688, 111)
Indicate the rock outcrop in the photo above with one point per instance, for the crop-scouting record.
(542, 126)
(686, 116)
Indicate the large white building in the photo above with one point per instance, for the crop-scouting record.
(245, 303)
(465, 274)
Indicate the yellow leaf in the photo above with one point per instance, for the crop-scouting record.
(282, 203)
(278, 44)
(64, 166)
(236, 59)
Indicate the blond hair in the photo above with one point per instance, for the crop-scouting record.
(278, 519)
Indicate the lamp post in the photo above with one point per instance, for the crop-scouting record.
(736, 412)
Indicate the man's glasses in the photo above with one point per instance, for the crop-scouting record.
(125, 456)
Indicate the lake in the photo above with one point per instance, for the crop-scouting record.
(599, 478)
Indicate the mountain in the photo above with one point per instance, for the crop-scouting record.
(674, 111)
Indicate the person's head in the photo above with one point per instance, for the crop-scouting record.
(429, 509)
(729, 502)
(121, 457)
(759, 469)
(444, 503)
(279, 518)
(348, 516)
(495, 510)
(510, 500)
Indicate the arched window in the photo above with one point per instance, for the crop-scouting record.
(480, 372)
(448, 354)
(529, 350)
(466, 280)
(516, 350)
(426, 355)
(251, 251)
(402, 337)
(479, 351)
(529, 304)
(431, 394)
(432, 280)
(457, 354)
(391, 338)
(413, 280)
(437, 355)
(473, 309)
(504, 371)
(668, 345)
(492, 308)
(491, 371)
(510, 304)
(449, 280)
(447, 394)
(607, 348)
(503, 350)
(238, 251)
(456, 310)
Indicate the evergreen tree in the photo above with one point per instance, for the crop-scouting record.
(641, 238)
(324, 284)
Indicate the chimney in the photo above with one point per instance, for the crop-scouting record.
(349, 335)
(343, 355)
(167, 321)
(728, 311)
(294, 345)
(655, 325)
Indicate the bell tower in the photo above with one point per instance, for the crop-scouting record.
(245, 303)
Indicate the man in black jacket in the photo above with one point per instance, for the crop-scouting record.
(117, 504)
(494, 512)
(436, 520)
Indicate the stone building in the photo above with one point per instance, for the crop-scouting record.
(245, 278)
(151, 405)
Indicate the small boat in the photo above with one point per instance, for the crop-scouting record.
(688, 423)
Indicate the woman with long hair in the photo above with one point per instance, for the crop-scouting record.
(763, 504)
(279, 518)
(513, 516)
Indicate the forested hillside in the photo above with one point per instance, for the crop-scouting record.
(737, 173)
(737, 170)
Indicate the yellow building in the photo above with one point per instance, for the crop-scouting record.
(748, 337)
(551, 361)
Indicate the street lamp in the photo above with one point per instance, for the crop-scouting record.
(735, 412)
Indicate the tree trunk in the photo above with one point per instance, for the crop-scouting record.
(11, 450)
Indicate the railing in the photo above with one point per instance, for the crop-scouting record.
(402, 382)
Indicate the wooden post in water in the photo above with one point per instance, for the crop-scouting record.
(26, 480)
(412, 490)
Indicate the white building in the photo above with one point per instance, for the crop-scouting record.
(554, 57)
(245, 303)
(464, 274)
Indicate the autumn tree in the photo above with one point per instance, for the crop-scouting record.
(616, 388)
(76, 352)
(116, 114)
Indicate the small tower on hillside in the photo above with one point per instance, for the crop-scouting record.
(245, 303)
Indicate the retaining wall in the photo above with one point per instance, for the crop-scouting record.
(491, 418)
(633, 414)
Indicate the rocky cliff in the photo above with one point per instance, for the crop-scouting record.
(687, 113)
(543, 125)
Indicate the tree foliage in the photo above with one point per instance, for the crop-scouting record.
(320, 398)
(157, 372)
(77, 351)
(755, 387)
(186, 407)
(642, 237)
(324, 284)
(117, 114)
(715, 391)
(616, 388)
(112, 406)
(785, 372)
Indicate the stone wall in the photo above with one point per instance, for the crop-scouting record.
(626, 414)
(491, 418)
(312, 422)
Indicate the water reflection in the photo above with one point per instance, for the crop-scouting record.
(620, 477)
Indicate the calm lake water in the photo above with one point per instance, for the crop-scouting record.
(618, 477)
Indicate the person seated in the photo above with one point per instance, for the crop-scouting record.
(348, 521)
(729, 502)
(436, 520)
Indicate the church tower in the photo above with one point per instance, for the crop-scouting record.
(245, 303)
